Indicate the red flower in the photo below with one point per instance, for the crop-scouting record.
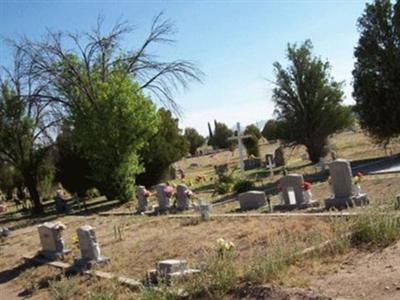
(306, 185)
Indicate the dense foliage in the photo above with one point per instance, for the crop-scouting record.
(250, 142)
(194, 138)
(377, 70)
(112, 130)
(308, 100)
(167, 146)
(221, 137)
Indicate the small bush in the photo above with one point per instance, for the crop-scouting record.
(243, 185)
(218, 277)
(375, 230)
(223, 188)
(64, 289)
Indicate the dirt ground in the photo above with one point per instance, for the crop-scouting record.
(145, 240)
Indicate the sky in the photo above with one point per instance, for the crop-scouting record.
(234, 43)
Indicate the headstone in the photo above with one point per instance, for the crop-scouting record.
(163, 200)
(252, 200)
(205, 210)
(293, 194)
(182, 197)
(291, 188)
(90, 248)
(169, 266)
(141, 198)
(279, 157)
(342, 186)
(51, 239)
(252, 163)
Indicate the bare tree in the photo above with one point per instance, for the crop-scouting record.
(95, 52)
(29, 117)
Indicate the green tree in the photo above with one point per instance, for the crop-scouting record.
(102, 86)
(167, 146)
(220, 138)
(270, 130)
(377, 70)
(251, 142)
(194, 138)
(308, 100)
(112, 131)
(72, 167)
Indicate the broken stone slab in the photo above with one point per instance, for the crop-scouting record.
(169, 269)
(90, 248)
(252, 200)
(52, 242)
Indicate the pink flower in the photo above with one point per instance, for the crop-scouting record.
(168, 191)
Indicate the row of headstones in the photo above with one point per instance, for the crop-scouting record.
(183, 201)
(53, 247)
(294, 196)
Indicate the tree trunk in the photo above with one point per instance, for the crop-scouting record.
(31, 184)
(315, 151)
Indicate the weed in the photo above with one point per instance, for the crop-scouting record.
(375, 230)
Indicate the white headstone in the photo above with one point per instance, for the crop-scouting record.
(90, 249)
(51, 239)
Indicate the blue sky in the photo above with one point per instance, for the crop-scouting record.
(234, 43)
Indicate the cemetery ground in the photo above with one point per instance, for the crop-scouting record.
(268, 260)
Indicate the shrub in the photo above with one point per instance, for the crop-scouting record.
(64, 289)
(243, 185)
(218, 277)
(223, 188)
(375, 230)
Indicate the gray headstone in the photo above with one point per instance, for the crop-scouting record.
(182, 199)
(163, 200)
(341, 176)
(90, 249)
(141, 198)
(51, 238)
(291, 186)
(205, 210)
(252, 200)
(252, 163)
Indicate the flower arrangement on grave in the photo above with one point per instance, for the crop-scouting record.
(306, 185)
(224, 247)
(307, 195)
(357, 180)
(189, 193)
(168, 191)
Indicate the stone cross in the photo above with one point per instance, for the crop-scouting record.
(240, 138)
(51, 239)
(90, 249)
(270, 164)
(292, 190)
(182, 198)
(163, 200)
(141, 198)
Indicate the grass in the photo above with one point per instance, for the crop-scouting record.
(375, 230)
